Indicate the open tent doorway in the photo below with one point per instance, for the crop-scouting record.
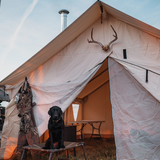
(94, 104)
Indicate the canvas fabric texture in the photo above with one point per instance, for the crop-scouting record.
(136, 116)
(10, 131)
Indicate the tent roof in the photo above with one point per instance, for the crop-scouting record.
(69, 34)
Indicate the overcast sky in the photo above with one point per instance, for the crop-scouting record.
(26, 26)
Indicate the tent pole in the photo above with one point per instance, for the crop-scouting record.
(66, 116)
(83, 110)
(83, 102)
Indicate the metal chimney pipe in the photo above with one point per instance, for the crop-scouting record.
(63, 13)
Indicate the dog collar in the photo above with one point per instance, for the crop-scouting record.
(56, 120)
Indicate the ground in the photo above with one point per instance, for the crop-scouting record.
(96, 149)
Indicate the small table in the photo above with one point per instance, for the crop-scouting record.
(85, 122)
(68, 145)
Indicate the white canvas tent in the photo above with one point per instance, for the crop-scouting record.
(61, 70)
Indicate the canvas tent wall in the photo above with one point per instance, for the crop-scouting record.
(59, 79)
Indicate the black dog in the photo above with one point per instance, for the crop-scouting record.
(56, 129)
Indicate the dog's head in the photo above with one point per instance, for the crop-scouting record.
(55, 112)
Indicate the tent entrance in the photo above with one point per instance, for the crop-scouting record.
(94, 103)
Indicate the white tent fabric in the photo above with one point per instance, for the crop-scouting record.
(61, 94)
(138, 71)
(136, 116)
(45, 95)
(60, 79)
(10, 131)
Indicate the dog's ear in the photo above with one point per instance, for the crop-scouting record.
(61, 111)
(49, 112)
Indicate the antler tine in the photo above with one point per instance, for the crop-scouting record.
(93, 41)
(91, 37)
(114, 31)
(116, 37)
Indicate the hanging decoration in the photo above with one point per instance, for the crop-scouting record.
(105, 48)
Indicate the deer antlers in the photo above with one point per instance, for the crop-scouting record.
(105, 48)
